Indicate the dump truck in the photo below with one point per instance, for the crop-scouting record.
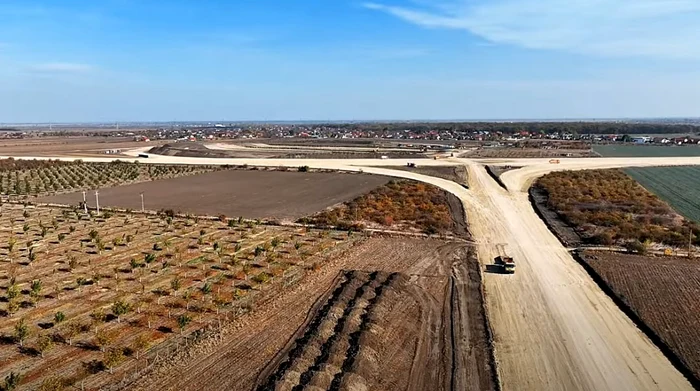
(503, 261)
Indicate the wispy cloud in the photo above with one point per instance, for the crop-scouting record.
(658, 28)
(61, 67)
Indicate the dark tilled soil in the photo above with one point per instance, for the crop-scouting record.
(459, 222)
(456, 174)
(563, 231)
(251, 194)
(660, 294)
(392, 331)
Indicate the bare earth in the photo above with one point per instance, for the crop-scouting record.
(251, 194)
(409, 342)
(75, 147)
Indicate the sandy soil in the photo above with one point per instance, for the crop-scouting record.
(408, 328)
(251, 194)
(550, 312)
(69, 146)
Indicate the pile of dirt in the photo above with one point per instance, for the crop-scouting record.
(187, 150)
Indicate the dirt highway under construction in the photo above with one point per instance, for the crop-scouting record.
(554, 329)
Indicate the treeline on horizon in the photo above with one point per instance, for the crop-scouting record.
(532, 127)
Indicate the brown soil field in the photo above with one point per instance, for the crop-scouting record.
(409, 317)
(265, 148)
(456, 174)
(510, 153)
(196, 149)
(661, 295)
(247, 193)
(69, 146)
(55, 260)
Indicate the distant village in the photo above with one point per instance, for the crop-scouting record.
(261, 131)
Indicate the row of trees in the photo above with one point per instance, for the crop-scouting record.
(34, 177)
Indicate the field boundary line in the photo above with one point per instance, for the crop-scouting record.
(495, 372)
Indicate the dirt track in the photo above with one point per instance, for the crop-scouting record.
(551, 313)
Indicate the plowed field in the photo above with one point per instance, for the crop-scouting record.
(663, 294)
(387, 325)
(251, 194)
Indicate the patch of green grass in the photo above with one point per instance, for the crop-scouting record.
(677, 186)
(646, 150)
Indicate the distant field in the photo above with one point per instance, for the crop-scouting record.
(678, 186)
(646, 150)
(248, 193)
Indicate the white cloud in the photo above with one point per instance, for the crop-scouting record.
(659, 28)
(61, 67)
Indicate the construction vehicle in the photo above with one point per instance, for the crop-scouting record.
(503, 261)
(554, 161)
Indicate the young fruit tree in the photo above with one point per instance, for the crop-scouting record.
(21, 332)
(120, 308)
(182, 322)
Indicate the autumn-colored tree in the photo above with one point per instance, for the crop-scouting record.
(175, 284)
(103, 339)
(120, 308)
(53, 383)
(43, 344)
(140, 345)
(112, 358)
(98, 316)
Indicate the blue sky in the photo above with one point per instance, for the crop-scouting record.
(145, 60)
